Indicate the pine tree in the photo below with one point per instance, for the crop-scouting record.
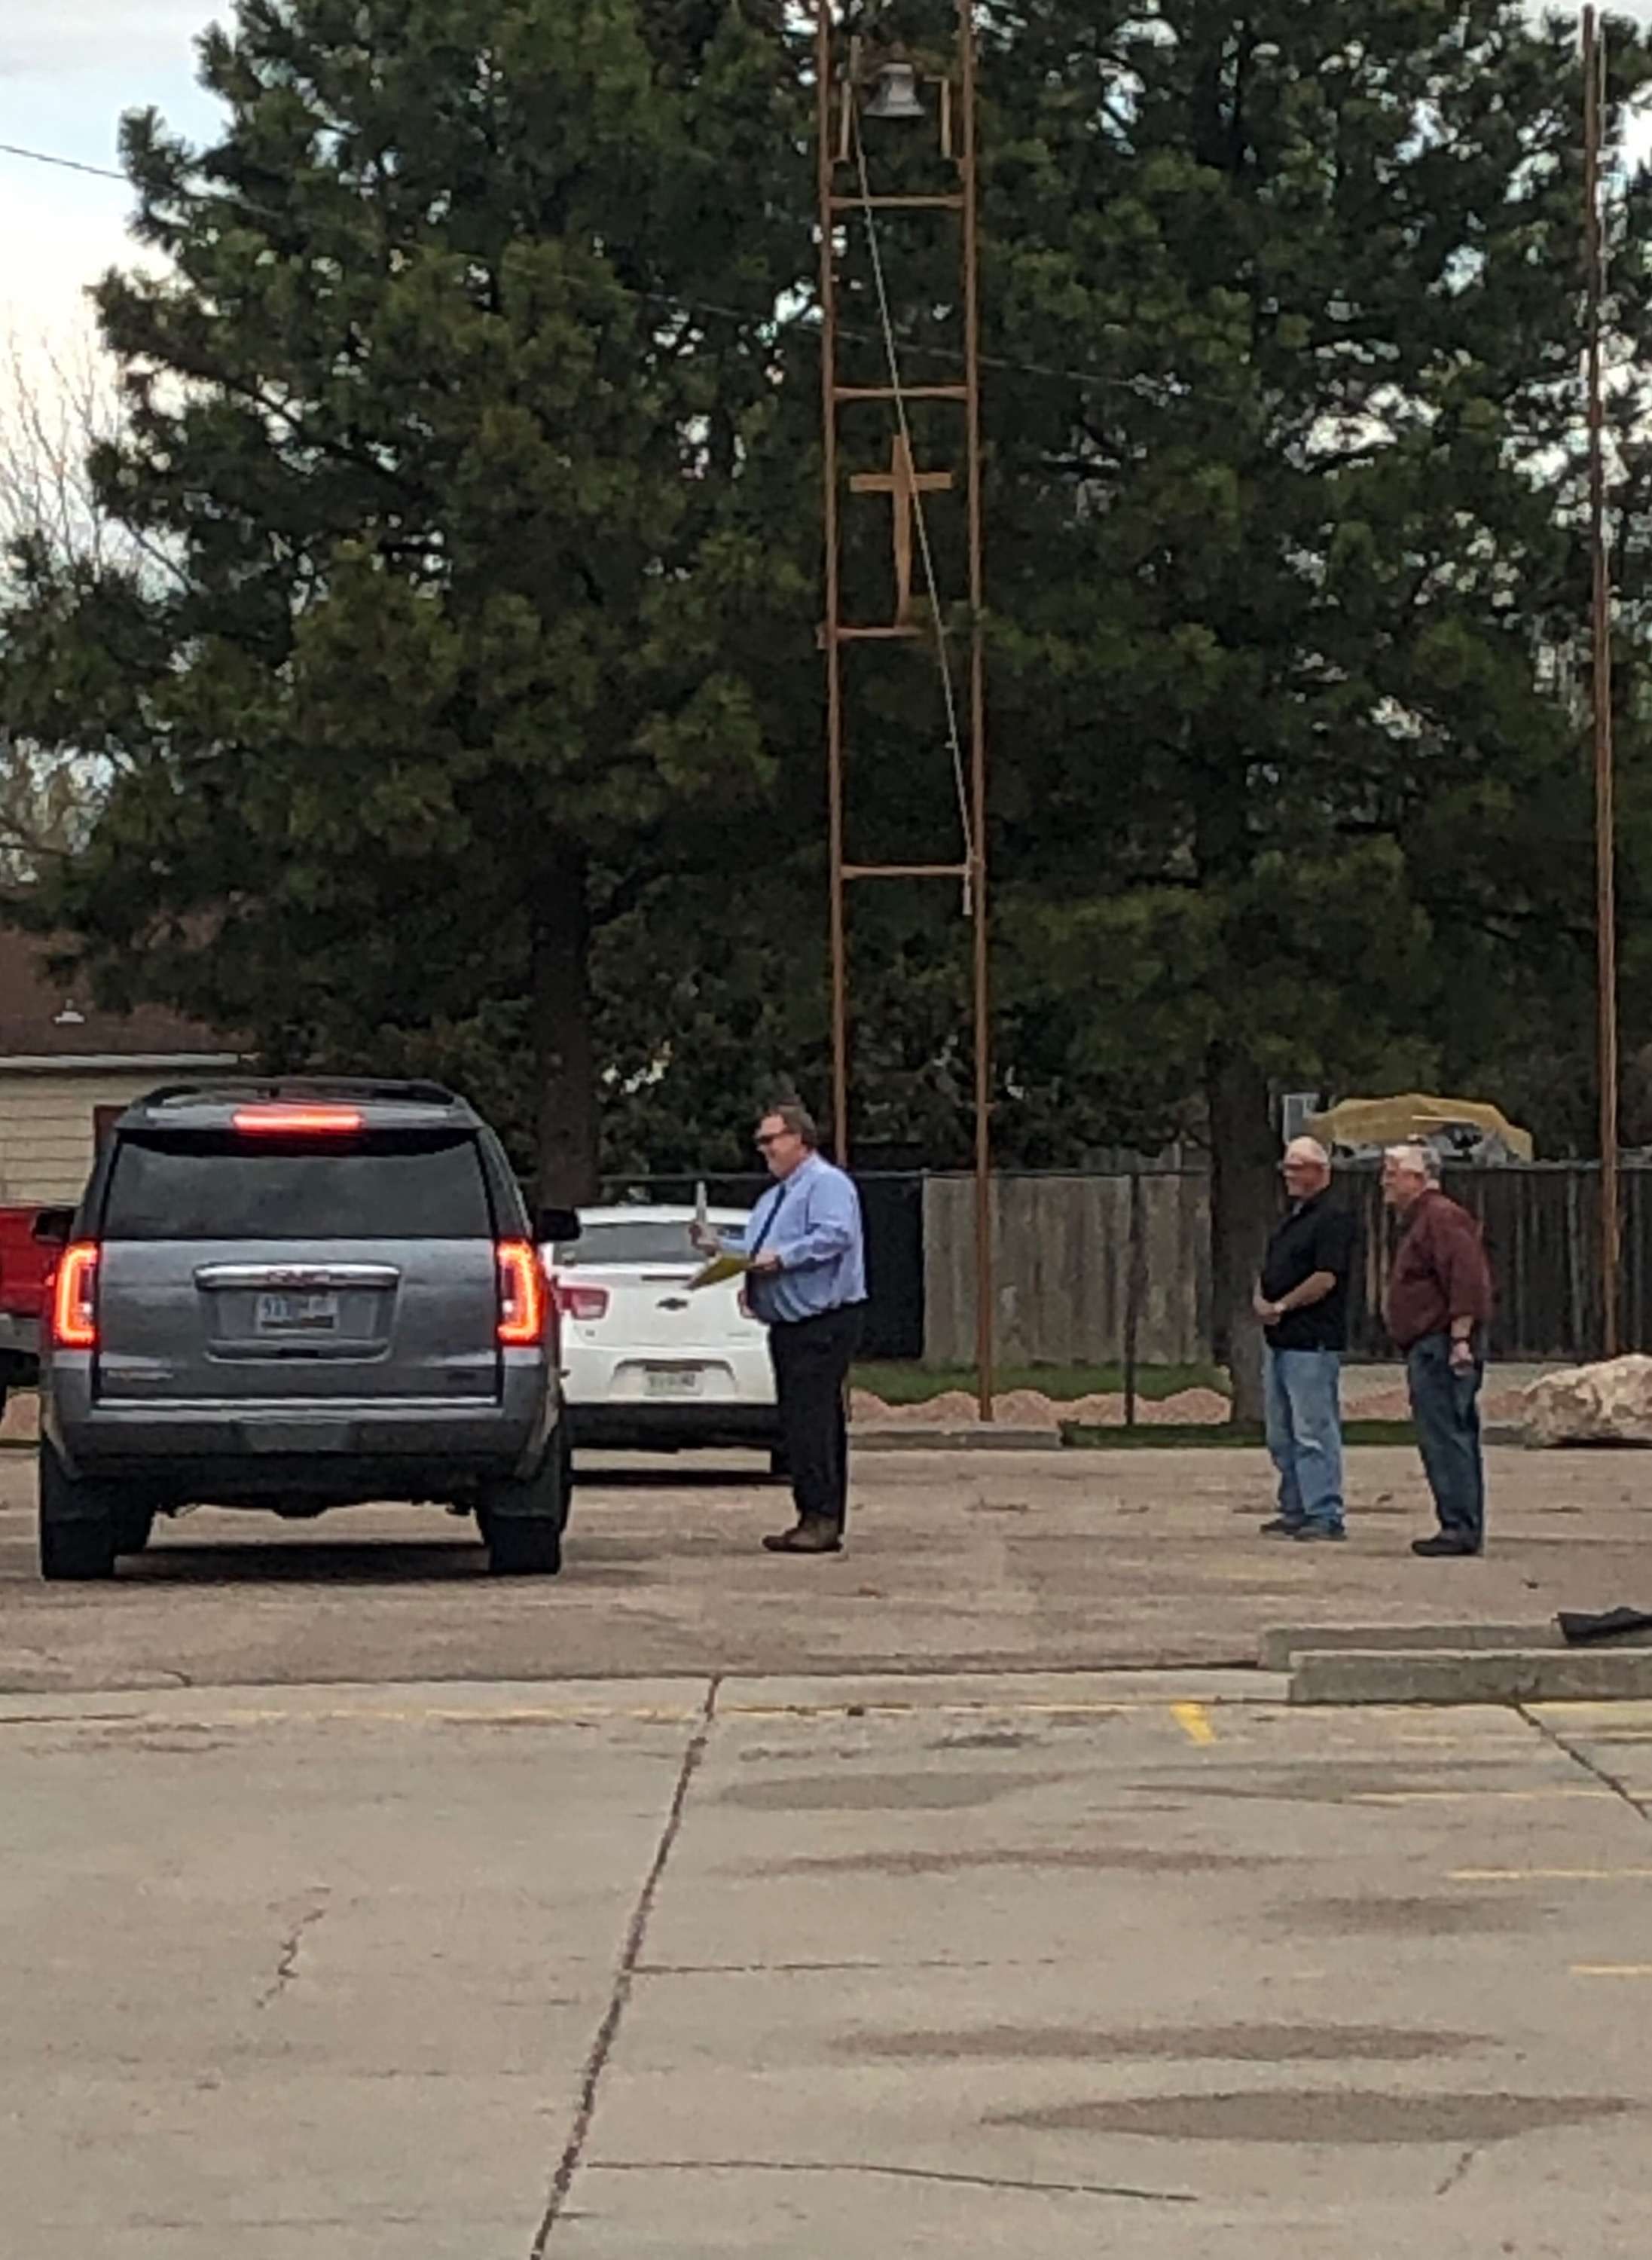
(1294, 799)
(484, 718)
(445, 444)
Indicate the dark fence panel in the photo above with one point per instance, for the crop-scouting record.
(1541, 1222)
(893, 1208)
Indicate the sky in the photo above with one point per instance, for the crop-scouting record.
(68, 70)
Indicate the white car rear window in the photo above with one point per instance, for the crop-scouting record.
(642, 1243)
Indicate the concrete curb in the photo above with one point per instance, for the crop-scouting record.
(1283, 1645)
(1441, 1676)
(878, 1437)
(979, 1439)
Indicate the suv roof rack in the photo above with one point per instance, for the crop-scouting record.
(410, 1093)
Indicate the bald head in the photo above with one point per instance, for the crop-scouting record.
(1306, 1168)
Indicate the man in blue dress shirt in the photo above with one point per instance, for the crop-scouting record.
(807, 1284)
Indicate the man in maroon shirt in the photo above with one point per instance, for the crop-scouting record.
(1439, 1304)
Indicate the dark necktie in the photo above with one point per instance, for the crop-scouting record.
(768, 1224)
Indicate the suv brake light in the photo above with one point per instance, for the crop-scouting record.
(296, 1121)
(523, 1298)
(74, 1297)
(582, 1302)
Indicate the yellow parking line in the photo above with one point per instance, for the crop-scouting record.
(1194, 1720)
(1611, 1969)
(1549, 1874)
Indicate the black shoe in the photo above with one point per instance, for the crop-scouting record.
(1443, 1546)
(1320, 1530)
(1284, 1526)
(814, 1533)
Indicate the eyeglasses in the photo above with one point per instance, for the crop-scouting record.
(773, 1137)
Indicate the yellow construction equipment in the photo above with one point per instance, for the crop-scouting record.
(1413, 1116)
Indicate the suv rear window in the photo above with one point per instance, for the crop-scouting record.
(218, 1186)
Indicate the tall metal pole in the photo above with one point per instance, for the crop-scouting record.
(1606, 849)
(830, 631)
(836, 633)
(977, 726)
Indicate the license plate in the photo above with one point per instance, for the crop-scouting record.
(298, 1314)
(675, 1381)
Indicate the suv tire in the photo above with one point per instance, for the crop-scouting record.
(77, 1523)
(524, 1548)
(522, 1523)
(132, 1526)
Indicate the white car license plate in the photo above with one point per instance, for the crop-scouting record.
(675, 1381)
(298, 1314)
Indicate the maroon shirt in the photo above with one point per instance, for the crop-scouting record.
(1439, 1271)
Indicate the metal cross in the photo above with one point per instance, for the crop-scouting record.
(902, 482)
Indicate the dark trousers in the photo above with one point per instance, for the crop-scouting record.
(1445, 1406)
(812, 1359)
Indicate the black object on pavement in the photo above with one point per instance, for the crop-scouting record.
(1578, 1628)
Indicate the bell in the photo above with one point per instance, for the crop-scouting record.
(895, 93)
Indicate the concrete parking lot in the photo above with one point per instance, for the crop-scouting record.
(703, 1904)
(972, 1561)
(794, 1968)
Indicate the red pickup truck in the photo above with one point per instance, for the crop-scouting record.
(25, 1271)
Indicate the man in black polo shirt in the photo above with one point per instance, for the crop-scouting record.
(1302, 1301)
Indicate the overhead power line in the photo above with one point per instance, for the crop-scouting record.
(1092, 378)
(68, 164)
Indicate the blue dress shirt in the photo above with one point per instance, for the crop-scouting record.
(812, 1221)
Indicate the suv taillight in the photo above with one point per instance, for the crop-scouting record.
(523, 1298)
(297, 1121)
(582, 1302)
(74, 1297)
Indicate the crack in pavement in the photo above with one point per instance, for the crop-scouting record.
(625, 1976)
(287, 1959)
(1456, 2174)
(1581, 1757)
(891, 2173)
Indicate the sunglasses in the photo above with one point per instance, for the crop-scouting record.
(774, 1138)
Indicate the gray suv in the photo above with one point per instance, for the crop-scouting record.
(297, 1296)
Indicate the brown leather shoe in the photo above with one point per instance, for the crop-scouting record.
(814, 1533)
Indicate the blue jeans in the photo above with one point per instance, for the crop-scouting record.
(1304, 1431)
(1446, 1408)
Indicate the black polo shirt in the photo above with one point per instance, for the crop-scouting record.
(1316, 1236)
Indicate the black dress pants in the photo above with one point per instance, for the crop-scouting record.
(812, 1359)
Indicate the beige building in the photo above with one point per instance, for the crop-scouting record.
(66, 1069)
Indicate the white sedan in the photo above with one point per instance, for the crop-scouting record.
(646, 1363)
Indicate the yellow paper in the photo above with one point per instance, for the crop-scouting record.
(720, 1268)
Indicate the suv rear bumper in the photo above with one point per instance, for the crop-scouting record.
(186, 1450)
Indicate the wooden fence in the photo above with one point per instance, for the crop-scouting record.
(1541, 1223)
(1066, 1288)
(1062, 1269)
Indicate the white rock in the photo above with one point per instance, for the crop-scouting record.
(1606, 1404)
